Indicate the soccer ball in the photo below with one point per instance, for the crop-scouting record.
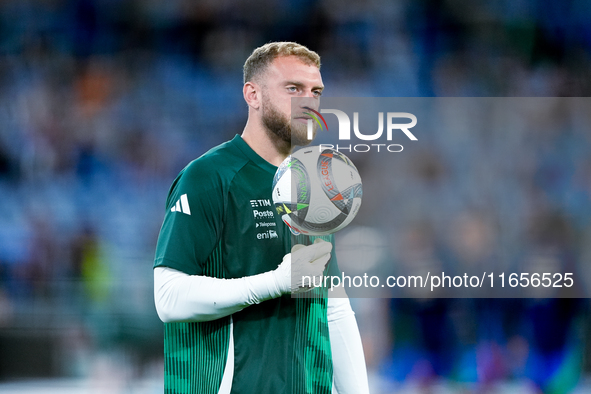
(317, 191)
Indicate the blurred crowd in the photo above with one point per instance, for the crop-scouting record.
(495, 186)
(102, 102)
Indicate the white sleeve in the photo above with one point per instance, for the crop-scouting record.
(350, 374)
(182, 297)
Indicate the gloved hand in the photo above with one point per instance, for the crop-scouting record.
(303, 261)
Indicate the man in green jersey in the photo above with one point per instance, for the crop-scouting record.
(225, 269)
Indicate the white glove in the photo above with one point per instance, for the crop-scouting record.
(306, 262)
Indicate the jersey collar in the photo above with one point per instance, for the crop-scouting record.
(252, 155)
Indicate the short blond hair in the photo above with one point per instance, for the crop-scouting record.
(261, 57)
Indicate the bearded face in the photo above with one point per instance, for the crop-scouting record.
(280, 126)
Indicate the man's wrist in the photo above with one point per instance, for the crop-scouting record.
(265, 286)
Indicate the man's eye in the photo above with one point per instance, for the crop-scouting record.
(292, 89)
(317, 93)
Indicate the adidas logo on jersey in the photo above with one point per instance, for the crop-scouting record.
(182, 205)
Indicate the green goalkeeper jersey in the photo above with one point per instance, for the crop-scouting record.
(220, 222)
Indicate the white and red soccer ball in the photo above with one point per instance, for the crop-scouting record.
(317, 191)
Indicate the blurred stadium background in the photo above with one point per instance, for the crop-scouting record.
(103, 102)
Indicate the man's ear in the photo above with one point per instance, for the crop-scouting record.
(252, 94)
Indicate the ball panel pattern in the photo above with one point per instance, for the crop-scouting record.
(323, 194)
